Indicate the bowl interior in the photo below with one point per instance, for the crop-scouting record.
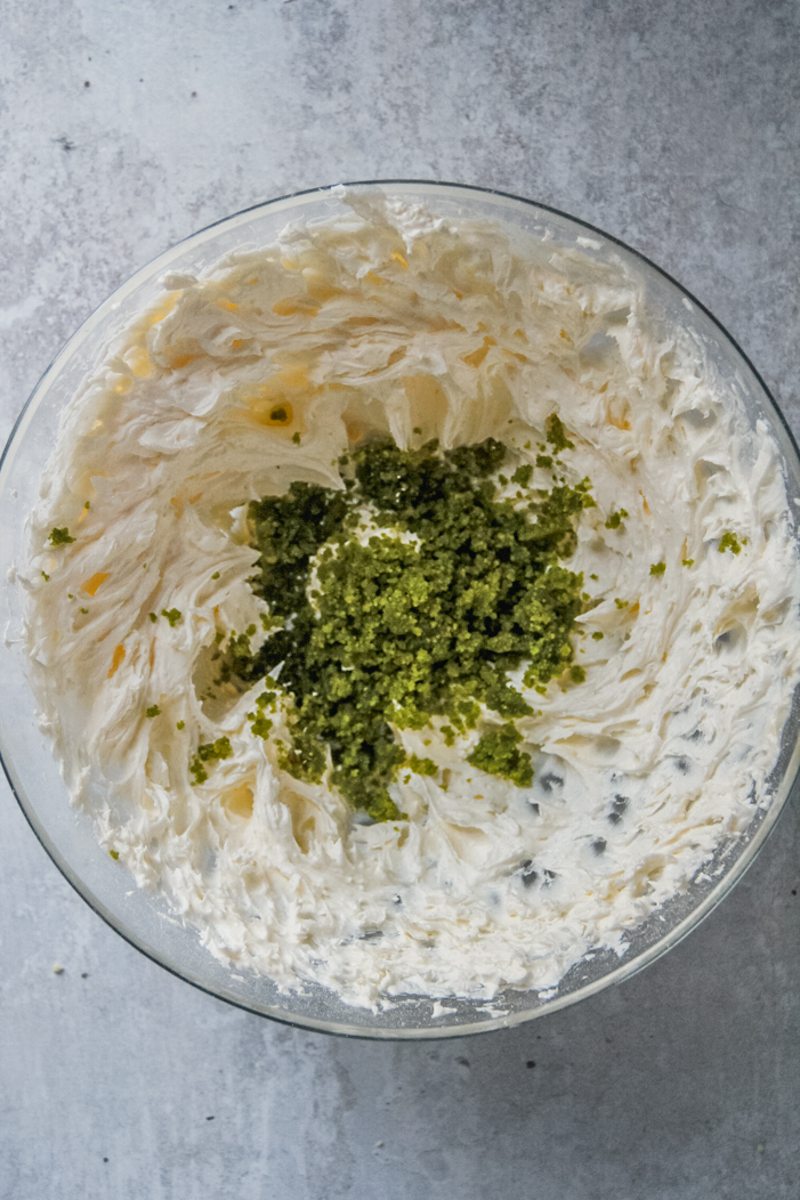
(68, 835)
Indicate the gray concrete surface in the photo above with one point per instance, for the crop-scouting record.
(124, 127)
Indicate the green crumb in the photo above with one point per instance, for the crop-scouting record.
(45, 576)
(87, 505)
(497, 752)
(70, 596)
(577, 673)
(620, 603)
(593, 575)
(367, 637)
(180, 725)
(173, 615)
(522, 475)
(598, 635)
(60, 537)
(416, 430)
(209, 752)
(729, 541)
(238, 655)
(449, 734)
(83, 610)
(615, 519)
(557, 434)
(421, 766)
(152, 711)
(305, 759)
(279, 415)
(583, 487)
(544, 460)
(296, 438)
(114, 854)
(259, 724)
(153, 617)
(658, 568)
(215, 575)
(687, 562)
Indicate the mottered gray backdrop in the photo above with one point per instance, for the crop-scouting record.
(124, 127)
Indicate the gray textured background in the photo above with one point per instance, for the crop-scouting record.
(674, 126)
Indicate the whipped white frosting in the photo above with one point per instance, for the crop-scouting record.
(391, 320)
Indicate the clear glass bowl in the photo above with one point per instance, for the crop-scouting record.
(68, 836)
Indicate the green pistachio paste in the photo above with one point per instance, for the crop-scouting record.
(406, 599)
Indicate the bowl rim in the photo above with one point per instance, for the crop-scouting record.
(377, 1032)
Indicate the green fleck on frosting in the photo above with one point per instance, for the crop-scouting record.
(498, 753)
(60, 537)
(421, 766)
(173, 615)
(729, 541)
(658, 568)
(152, 711)
(615, 519)
(260, 724)
(209, 752)
(420, 614)
(557, 434)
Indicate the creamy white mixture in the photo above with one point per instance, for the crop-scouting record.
(389, 319)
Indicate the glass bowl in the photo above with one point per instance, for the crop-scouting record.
(68, 836)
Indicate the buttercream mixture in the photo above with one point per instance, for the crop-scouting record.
(529, 815)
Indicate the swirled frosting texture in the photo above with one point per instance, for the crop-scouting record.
(389, 320)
